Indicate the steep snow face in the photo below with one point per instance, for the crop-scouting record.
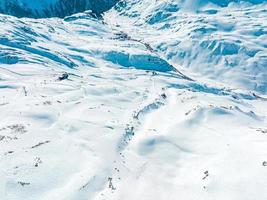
(53, 8)
(220, 40)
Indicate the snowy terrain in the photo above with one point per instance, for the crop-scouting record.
(155, 100)
(53, 8)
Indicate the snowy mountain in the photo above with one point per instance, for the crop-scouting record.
(222, 43)
(53, 8)
(153, 99)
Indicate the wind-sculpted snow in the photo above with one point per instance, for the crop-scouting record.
(154, 100)
(221, 40)
(53, 8)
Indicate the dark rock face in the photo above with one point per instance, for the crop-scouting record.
(56, 8)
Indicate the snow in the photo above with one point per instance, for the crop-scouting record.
(53, 8)
(148, 107)
(215, 42)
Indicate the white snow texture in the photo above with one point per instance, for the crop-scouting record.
(142, 100)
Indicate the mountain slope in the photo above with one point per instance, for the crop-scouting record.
(211, 39)
(53, 8)
(117, 107)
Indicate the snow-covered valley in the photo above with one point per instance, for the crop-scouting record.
(153, 100)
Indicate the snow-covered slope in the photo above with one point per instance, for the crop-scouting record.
(134, 105)
(222, 40)
(53, 8)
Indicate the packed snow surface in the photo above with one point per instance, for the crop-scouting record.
(154, 100)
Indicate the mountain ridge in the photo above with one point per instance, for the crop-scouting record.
(53, 8)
